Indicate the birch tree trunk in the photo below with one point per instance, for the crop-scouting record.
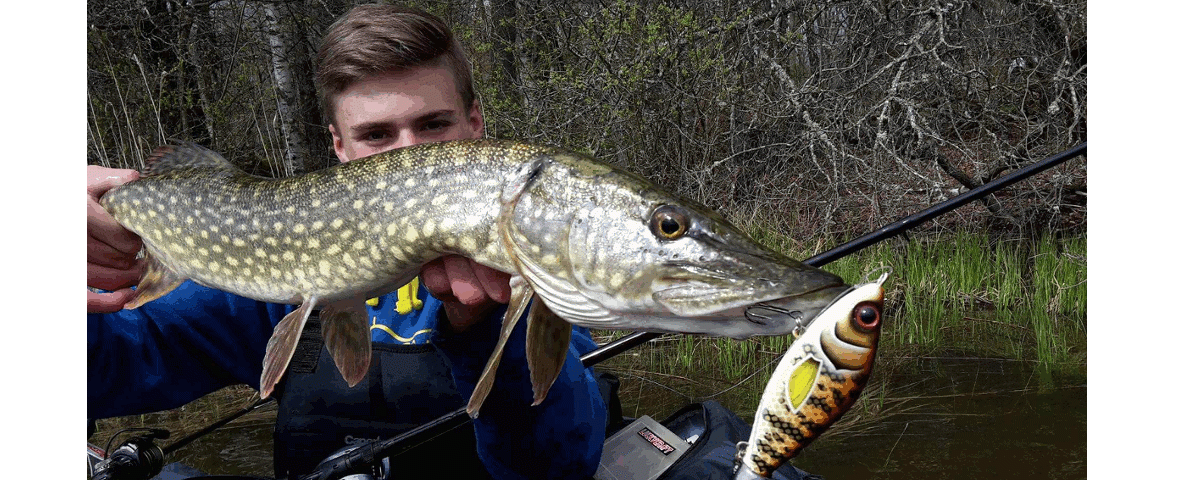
(282, 49)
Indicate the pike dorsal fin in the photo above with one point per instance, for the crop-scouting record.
(184, 156)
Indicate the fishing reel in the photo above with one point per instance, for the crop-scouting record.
(354, 462)
(138, 458)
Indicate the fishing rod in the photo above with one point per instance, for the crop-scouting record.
(140, 457)
(900, 226)
(370, 452)
(177, 445)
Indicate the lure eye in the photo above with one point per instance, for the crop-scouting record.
(866, 316)
(669, 222)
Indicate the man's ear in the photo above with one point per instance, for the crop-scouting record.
(475, 116)
(338, 143)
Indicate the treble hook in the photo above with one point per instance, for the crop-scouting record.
(762, 319)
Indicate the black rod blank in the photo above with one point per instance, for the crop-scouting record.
(900, 226)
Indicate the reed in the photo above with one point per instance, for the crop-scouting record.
(953, 293)
(1016, 299)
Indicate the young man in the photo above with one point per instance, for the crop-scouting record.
(388, 78)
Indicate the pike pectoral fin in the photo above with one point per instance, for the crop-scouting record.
(281, 346)
(157, 281)
(521, 294)
(346, 334)
(546, 342)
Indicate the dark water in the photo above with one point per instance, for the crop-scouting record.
(967, 418)
(926, 418)
(245, 447)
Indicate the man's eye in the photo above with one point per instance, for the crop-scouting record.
(435, 125)
(374, 135)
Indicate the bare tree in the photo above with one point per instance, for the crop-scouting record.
(818, 118)
(283, 52)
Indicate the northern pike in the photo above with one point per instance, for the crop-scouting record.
(819, 378)
(599, 247)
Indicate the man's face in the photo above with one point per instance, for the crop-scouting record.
(393, 110)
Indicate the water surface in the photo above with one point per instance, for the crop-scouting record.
(921, 418)
(966, 419)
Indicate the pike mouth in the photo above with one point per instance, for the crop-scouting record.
(743, 301)
(794, 311)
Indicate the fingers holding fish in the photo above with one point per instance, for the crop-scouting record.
(467, 289)
(108, 243)
(111, 250)
(109, 302)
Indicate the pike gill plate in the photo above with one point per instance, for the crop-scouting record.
(600, 247)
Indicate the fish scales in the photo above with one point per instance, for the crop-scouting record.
(594, 245)
(332, 231)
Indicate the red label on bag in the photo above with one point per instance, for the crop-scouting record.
(656, 441)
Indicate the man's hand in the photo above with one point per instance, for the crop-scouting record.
(110, 248)
(467, 289)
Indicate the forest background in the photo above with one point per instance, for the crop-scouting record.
(820, 119)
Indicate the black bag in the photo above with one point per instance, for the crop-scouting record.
(711, 456)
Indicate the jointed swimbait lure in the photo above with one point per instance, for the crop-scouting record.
(818, 379)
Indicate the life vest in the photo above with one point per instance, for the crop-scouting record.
(406, 385)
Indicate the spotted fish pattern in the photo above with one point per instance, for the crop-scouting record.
(597, 246)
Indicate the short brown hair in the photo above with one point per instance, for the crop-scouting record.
(376, 38)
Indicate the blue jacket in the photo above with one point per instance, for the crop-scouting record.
(196, 340)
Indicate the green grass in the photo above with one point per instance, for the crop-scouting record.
(1059, 288)
(964, 293)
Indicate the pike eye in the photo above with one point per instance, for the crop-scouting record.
(866, 316)
(669, 222)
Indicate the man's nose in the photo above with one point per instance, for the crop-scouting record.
(406, 139)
